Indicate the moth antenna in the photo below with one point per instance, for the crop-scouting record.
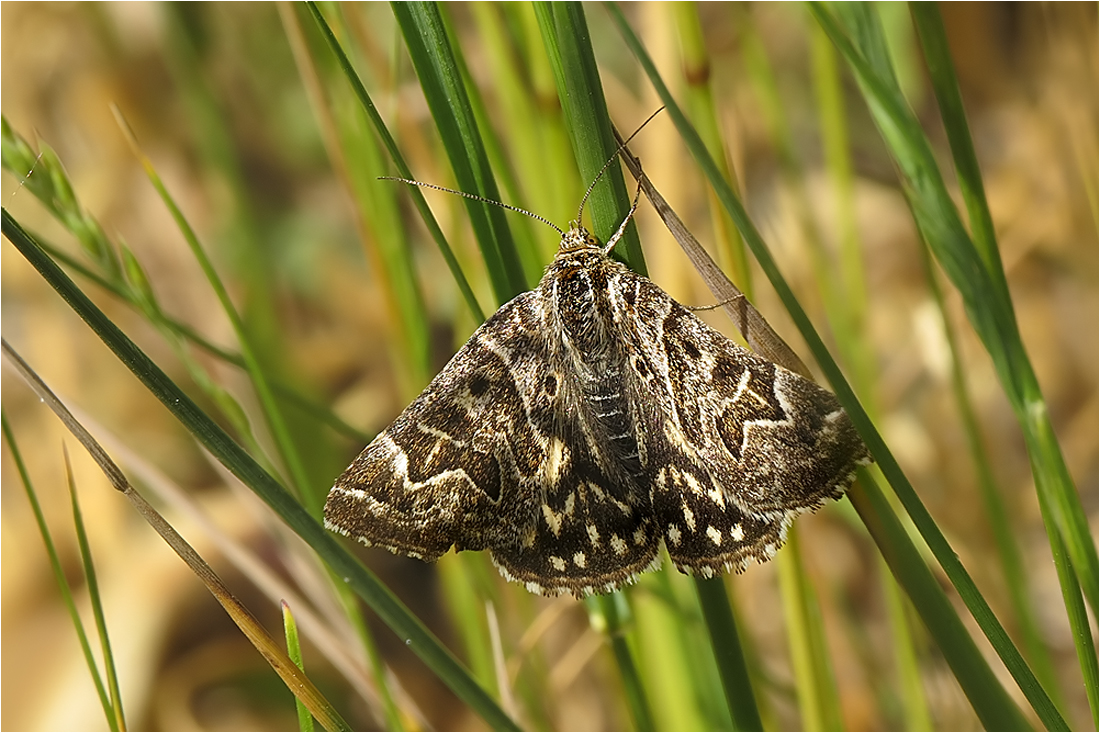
(475, 197)
(622, 227)
(580, 211)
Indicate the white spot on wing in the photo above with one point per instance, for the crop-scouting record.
(553, 520)
(689, 517)
(738, 532)
(557, 562)
(715, 535)
(674, 534)
(579, 559)
(618, 545)
(593, 534)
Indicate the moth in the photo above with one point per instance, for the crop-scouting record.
(587, 423)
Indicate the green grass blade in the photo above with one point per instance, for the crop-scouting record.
(984, 690)
(732, 255)
(392, 612)
(565, 36)
(399, 161)
(994, 707)
(444, 89)
(358, 160)
(96, 601)
(59, 575)
(294, 651)
(726, 642)
(612, 615)
(988, 304)
(273, 413)
(817, 693)
(933, 38)
(1004, 533)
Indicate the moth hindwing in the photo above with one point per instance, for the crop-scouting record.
(588, 421)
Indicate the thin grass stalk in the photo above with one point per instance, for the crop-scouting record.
(985, 691)
(704, 113)
(726, 643)
(1078, 617)
(851, 342)
(916, 714)
(814, 677)
(95, 600)
(376, 216)
(995, 709)
(555, 165)
(567, 43)
(539, 171)
(613, 615)
(288, 450)
(204, 105)
(399, 162)
(392, 612)
(933, 38)
(1012, 569)
(680, 677)
(59, 576)
(445, 92)
(849, 271)
(988, 305)
(465, 600)
(300, 685)
(526, 246)
(294, 651)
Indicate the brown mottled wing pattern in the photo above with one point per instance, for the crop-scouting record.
(586, 422)
(738, 446)
(491, 456)
(458, 466)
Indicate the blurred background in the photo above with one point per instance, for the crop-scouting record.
(216, 98)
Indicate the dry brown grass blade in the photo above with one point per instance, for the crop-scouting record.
(759, 335)
(268, 647)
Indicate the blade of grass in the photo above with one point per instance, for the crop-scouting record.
(527, 248)
(299, 684)
(125, 278)
(565, 37)
(377, 217)
(59, 575)
(933, 39)
(399, 162)
(697, 71)
(984, 691)
(287, 449)
(814, 677)
(294, 651)
(95, 599)
(726, 642)
(1004, 534)
(433, 58)
(611, 615)
(987, 302)
(392, 612)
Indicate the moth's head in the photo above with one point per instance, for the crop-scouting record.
(577, 238)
